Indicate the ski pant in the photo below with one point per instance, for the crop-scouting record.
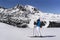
(36, 31)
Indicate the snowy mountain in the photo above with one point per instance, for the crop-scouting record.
(23, 16)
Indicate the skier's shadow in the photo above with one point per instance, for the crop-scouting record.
(43, 36)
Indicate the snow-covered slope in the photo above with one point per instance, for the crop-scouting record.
(8, 32)
(26, 15)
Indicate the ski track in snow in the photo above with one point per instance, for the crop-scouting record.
(8, 32)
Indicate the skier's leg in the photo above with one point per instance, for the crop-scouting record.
(34, 31)
(38, 31)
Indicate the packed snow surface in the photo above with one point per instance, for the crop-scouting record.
(8, 32)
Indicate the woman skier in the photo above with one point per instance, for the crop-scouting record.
(36, 30)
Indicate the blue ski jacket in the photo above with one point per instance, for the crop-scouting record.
(38, 23)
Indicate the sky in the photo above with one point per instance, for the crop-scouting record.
(47, 6)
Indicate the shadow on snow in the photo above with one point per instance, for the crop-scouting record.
(43, 36)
